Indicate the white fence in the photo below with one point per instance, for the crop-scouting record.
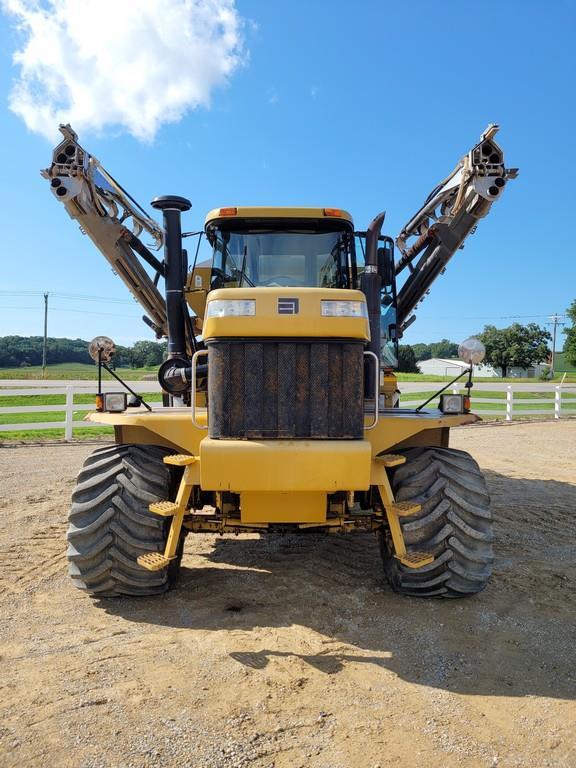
(561, 406)
(558, 406)
(69, 408)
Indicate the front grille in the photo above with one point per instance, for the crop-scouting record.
(285, 389)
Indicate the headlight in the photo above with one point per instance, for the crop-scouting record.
(453, 403)
(231, 308)
(114, 402)
(343, 309)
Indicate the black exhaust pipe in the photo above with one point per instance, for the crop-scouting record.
(172, 207)
(371, 287)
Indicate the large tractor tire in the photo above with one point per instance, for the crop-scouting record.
(455, 525)
(110, 524)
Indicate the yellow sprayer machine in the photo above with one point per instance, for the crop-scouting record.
(280, 411)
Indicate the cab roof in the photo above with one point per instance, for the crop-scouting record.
(256, 212)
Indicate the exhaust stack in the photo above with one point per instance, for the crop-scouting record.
(172, 207)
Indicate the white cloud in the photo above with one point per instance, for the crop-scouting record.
(129, 64)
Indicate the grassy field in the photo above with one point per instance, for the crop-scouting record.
(85, 371)
(81, 433)
(75, 371)
(571, 379)
(20, 420)
(495, 395)
(499, 403)
(79, 399)
(43, 435)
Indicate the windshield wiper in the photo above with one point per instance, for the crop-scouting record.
(242, 272)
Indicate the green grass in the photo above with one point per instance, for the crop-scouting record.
(445, 379)
(87, 433)
(39, 435)
(74, 371)
(499, 403)
(39, 416)
(79, 399)
(493, 394)
(87, 372)
(29, 435)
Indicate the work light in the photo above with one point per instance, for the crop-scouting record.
(453, 403)
(114, 402)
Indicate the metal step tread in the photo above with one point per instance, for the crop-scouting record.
(153, 561)
(164, 508)
(406, 508)
(416, 559)
(179, 459)
(391, 459)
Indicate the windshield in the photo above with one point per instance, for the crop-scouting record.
(281, 258)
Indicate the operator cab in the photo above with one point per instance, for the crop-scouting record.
(277, 247)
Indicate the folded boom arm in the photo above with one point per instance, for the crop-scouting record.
(451, 213)
(104, 210)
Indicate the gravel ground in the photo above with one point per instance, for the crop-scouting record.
(276, 653)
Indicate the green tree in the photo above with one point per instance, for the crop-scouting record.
(15, 350)
(27, 350)
(518, 345)
(422, 351)
(407, 359)
(570, 343)
(147, 353)
(444, 348)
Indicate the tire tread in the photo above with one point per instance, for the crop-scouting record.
(455, 524)
(110, 524)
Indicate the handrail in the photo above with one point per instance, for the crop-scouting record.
(195, 357)
(376, 389)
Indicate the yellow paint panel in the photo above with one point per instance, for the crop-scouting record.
(308, 322)
(293, 507)
(284, 465)
(336, 464)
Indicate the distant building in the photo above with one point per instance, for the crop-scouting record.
(438, 366)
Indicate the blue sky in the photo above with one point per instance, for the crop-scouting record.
(363, 106)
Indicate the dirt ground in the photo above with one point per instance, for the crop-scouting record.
(270, 654)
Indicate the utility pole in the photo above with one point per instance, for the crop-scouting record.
(45, 345)
(555, 322)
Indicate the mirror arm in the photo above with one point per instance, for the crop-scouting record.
(464, 372)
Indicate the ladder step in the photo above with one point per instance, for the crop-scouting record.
(416, 559)
(391, 459)
(153, 561)
(179, 459)
(406, 508)
(164, 508)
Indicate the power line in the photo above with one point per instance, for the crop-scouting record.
(478, 317)
(78, 311)
(68, 296)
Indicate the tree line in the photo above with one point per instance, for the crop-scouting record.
(23, 351)
(515, 346)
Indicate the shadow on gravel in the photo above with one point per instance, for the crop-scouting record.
(514, 639)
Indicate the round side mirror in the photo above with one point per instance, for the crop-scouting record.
(101, 347)
(472, 351)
